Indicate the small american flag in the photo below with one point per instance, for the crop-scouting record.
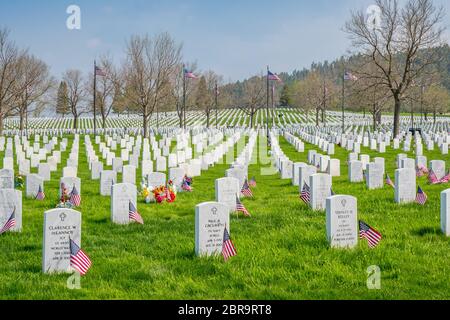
(240, 208)
(367, 232)
(306, 194)
(389, 181)
(273, 77)
(75, 197)
(189, 74)
(40, 195)
(10, 223)
(99, 72)
(348, 76)
(186, 187)
(228, 249)
(432, 178)
(421, 197)
(78, 259)
(446, 179)
(252, 182)
(134, 214)
(246, 191)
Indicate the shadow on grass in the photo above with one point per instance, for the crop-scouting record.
(427, 231)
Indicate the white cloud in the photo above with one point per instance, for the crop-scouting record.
(94, 43)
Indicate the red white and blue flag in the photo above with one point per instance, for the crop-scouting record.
(432, 178)
(272, 76)
(421, 197)
(133, 214)
(306, 194)
(40, 195)
(389, 181)
(99, 72)
(252, 182)
(189, 74)
(367, 232)
(246, 191)
(10, 223)
(348, 76)
(446, 179)
(228, 249)
(78, 259)
(240, 207)
(75, 197)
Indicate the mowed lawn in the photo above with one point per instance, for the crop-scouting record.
(282, 249)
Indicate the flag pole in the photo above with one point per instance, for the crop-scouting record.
(273, 103)
(343, 101)
(216, 97)
(95, 93)
(184, 98)
(267, 105)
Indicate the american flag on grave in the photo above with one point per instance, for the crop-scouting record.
(40, 195)
(305, 195)
(389, 181)
(241, 208)
(10, 223)
(446, 178)
(432, 178)
(75, 197)
(228, 249)
(367, 232)
(133, 214)
(252, 182)
(246, 191)
(78, 259)
(421, 197)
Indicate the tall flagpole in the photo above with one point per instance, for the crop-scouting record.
(267, 105)
(343, 101)
(184, 98)
(216, 97)
(95, 93)
(273, 103)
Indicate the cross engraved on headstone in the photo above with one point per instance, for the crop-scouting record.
(214, 210)
(63, 216)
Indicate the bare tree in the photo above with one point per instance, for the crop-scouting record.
(254, 95)
(368, 93)
(9, 60)
(150, 64)
(436, 100)
(206, 96)
(33, 82)
(75, 94)
(399, 47)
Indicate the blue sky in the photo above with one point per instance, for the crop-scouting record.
(234, 38)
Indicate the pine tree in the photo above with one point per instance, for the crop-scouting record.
(62, 101)
(285, 98)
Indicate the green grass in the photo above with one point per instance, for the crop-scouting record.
(282, 249)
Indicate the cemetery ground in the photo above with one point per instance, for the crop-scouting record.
(282, 248)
